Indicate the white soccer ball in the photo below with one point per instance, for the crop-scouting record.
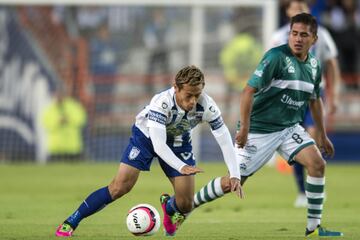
(143, 220)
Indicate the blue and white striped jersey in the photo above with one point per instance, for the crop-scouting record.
(164, 110)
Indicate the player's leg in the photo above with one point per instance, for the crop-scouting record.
(215, 189)
(135, 158)
(175, 208)
(300, 146)
(311, 158)
(301, 200)
(251, 158)
(299, 171)
(123, 182)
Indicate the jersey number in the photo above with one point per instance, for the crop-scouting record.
(297, 138)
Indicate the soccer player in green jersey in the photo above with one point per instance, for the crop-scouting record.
(272, 105)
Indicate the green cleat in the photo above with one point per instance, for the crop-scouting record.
(177, 219)
(322, 232)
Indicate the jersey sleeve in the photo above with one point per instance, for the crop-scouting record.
(158, 113)
(328, 46)
(266, 70)
(212, 115)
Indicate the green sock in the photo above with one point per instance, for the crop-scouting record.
(209, 192)
(314, 189)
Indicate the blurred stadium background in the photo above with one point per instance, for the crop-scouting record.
(114, 55)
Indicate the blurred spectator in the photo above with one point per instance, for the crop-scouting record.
(89, 18)
(64, 120)
(155, 39)
(283, 19)
(103, 58)
(343, 20)
(66, 15)
(104, 64)
(317, 7)
(239, 58)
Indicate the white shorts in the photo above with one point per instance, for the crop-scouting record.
(260, 148)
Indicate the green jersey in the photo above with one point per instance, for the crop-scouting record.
(284, 86)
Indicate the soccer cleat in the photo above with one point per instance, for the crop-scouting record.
(64, 230)
(322, 232)
(178, 219)
(301, 201)
(169, 227)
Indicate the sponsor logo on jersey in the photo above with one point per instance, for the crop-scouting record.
(157, 117)
(289, 65)
(134, 153)
(217, 123)
(212, 109)
(265, 62)
(313, 62)
(291, 102)
(291, 69)
(164, 105)
(258, 73)
(186, 155)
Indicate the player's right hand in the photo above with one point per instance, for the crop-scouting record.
(241, 137)
(187, 170)
(236, 187)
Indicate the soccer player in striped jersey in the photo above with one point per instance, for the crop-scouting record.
(326, 52)
(162, 130)
(272, 106)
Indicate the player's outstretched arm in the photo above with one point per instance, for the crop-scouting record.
(246, 103)
(223, 138)
(158, 139)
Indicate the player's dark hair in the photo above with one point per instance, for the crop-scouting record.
(189, 75)
(306, 19)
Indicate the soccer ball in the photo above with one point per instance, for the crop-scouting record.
(143, 220)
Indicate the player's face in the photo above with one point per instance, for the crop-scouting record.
(187, 96)
(300, 40)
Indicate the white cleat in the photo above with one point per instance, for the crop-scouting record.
(301, 201)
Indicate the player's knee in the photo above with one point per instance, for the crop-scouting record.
(226, 184)
(317, 168)
(117, 190)
(320, 165)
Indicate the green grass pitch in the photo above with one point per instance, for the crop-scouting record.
(35, 199)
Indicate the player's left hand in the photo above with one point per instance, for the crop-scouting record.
(187, 170)
(236, 187)
(331, 108)
(326, 146)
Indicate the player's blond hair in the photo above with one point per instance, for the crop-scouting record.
(189, 75)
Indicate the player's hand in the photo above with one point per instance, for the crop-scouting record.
(332, 108)
(241, 137)
(187, 170)
(326, 146)
(236, 187)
